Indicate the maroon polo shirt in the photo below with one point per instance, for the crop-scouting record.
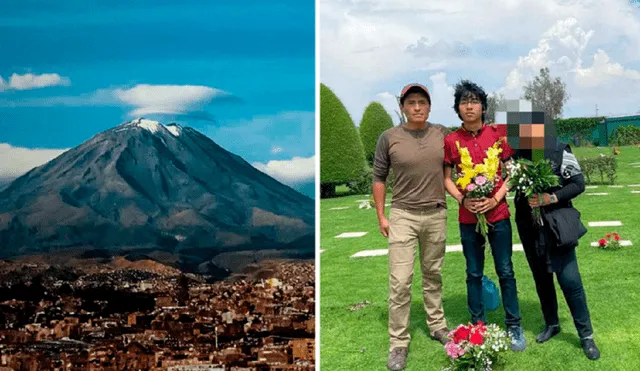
(478, 144)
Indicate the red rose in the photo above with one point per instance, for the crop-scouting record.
(608, 235)
(461, 334)
(602, 242)
(616, 237)
(476, 338)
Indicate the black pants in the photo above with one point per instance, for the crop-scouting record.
(568, 275)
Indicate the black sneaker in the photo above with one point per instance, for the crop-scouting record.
(548, 333)
(590, 349)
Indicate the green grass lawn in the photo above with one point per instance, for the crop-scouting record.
(358, 340)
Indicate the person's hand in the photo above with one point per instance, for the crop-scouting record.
(384, 227)
(470, 204)
(485, 204)
(535, 201)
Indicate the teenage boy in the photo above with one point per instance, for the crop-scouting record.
(477, 137)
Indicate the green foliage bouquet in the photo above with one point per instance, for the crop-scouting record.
(532, 178)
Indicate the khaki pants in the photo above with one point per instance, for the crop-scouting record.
(406, 230)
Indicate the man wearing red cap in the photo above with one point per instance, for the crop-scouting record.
(414, 151)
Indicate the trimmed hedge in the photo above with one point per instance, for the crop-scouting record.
(342, 157)
(580, 126)
(627, 135)
(364, 183)
(605, 166)
(375, 121)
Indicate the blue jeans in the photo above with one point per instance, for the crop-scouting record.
(501, 242)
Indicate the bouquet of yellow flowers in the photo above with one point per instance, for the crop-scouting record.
(479, 180)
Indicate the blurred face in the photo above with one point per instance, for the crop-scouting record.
(531, 136)
(416, 108)
(470, 109)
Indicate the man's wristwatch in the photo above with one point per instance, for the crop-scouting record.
(553, 198)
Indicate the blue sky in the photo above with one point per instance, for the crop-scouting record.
(371, 49)
(242, 73)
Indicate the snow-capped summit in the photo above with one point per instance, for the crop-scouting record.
(174, 129)
(128, 188)
(151, 126)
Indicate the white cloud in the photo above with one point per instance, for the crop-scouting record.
(441, 101)
(167, 99)
(16, 161)
(561, 49)
(187, 100)
(294, 171)
(258, 138)
(603, 70)
(30, 81)
(371, 48)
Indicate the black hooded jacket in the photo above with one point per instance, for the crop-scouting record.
(562, 226)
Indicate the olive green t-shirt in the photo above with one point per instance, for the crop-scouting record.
(417, 160)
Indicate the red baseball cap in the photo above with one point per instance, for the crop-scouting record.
(414, 88)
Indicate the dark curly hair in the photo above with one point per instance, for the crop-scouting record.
(468, 89)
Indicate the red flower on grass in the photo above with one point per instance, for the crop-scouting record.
(611, 241)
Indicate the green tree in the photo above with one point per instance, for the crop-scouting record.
(375, 120)
(342, 157)
(547, 93)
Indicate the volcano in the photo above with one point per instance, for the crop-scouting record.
(145, 186)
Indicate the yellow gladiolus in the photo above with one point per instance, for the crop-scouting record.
(464, 181)
(489, 166)
(480, 168)
(465, 158)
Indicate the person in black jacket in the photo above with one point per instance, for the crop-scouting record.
(546, 246)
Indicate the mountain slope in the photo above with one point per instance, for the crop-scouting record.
(145, 185)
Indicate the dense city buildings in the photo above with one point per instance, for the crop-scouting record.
(135, 319)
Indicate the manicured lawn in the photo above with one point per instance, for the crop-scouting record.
(358, 340)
